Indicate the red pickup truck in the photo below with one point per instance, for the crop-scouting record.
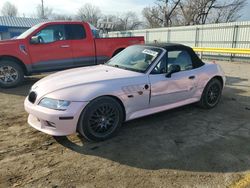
(56, 46)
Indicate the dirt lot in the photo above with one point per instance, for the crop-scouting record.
(185, 147)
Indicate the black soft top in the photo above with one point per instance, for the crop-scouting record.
(197, 62)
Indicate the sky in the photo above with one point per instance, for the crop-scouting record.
(28, 7)
(69, 7)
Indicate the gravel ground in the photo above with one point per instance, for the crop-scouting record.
(184, 147)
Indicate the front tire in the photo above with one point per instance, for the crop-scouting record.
(100, 119)
(211, 94)
(11, 74)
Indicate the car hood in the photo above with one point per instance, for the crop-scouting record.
(8, 42)
(81, 76)
(9, 47)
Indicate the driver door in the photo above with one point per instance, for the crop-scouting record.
(179, 87)
(53, 51)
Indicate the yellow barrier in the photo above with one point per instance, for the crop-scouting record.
(223, 50)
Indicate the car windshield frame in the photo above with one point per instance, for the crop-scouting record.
(152, 51)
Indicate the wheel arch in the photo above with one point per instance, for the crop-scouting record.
(218, 78)
(202, 103)
(118, 100)
(16, 60)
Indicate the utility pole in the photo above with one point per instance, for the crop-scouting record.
(42, 9)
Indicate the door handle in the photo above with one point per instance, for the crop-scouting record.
(191, 77)
(65, 46)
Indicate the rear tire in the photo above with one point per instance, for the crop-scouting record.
(11, 74)
(211, 94)
(101, 119)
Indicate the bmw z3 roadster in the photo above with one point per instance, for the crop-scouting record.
(140, 80)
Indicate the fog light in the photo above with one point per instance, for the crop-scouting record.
(51, 124)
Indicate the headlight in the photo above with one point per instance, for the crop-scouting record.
(54, 104)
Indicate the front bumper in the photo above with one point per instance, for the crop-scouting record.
(54, 122)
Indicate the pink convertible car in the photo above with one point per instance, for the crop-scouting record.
(139, 81)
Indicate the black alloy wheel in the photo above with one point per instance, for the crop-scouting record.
(211, 94)
(100, 119)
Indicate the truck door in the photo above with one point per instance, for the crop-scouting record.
(52, 50)
(83, 47)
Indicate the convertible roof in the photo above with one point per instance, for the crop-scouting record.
(197, 62)
(168, 46)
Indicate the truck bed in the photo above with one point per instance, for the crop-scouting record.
(108, 47)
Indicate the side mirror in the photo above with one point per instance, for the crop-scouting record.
(173, 69)
(34, 40)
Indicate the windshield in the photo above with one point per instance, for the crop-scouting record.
(135, 58)
(28, 32)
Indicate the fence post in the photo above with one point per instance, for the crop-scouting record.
(168, 35)
(147, 39)
(196, 42)
(234, 41)
(235, 36)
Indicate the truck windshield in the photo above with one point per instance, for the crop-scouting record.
(135, 58)
(28, 32)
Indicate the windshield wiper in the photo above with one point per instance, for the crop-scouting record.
(125, 68)
(112, 65)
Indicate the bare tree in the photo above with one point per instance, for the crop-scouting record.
(62, 17)
(162, 13)
(210, 11)
(89, 13)
(127, 21)
(44, 12)
(227, 12)
(192, 12)
(9, 9)
(188, 10)
(151, 15)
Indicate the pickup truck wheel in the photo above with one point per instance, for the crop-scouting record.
(211, 94)
(11, 74)
(101, 119)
